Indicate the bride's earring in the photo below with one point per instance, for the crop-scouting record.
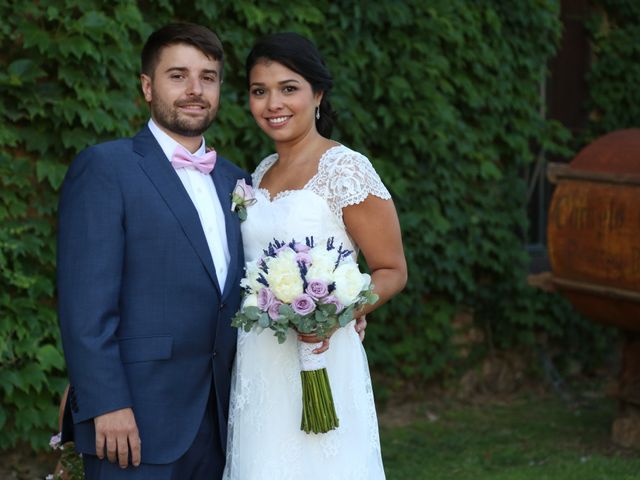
(318, 112)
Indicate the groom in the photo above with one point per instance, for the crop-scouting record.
(149, 264)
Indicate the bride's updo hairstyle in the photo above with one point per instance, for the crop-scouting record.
(300, 55)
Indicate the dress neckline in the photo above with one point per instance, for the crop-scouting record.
(270, 161)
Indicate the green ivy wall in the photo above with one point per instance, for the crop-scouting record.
(443, 96)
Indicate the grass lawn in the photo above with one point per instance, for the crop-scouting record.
(532, 437)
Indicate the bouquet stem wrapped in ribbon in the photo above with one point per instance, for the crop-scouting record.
(312, 289)
(318, 411)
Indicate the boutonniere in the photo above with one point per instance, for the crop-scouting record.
(241, 198)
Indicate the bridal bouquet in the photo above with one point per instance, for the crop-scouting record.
(313, 289)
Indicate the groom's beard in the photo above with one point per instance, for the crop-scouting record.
(169, 117)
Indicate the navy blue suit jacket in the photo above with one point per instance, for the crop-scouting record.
(144, 322)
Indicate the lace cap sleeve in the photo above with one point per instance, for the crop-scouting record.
(347, 178)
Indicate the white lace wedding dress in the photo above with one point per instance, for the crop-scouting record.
(265, 441)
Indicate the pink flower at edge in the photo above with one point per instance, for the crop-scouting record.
(242, 197)
(333, 300)
(265, 299)
(244, 191)
(274, 310)
(317, 289)
(303, 304)
(56, 441)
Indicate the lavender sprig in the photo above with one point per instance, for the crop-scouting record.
(262, 280)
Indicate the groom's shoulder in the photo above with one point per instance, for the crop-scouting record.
(120, 145)
(119, 150)
(102, 157)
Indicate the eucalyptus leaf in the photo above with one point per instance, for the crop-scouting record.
(346, 316)
(286, 310)
(263, 320)
(252, 313)
(328, 308)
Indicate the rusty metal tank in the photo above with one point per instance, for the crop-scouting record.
(593, 231)
(593, 237)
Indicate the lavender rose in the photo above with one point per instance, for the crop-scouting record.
(301, 247)
(317, 289)
(265, 299)
(304, 257)
(303, 304)
(274, 310)
(333, 300)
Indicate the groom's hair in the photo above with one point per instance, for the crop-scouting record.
(180, 33)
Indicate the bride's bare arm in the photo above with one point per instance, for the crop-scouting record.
(373, 224)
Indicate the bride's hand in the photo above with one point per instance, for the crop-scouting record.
(311, 338)
(360, 326)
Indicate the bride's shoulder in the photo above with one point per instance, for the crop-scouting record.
(342, 160)
(347, 177)
(341, 156)
(262, 167)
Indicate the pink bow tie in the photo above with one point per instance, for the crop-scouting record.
(182, 158)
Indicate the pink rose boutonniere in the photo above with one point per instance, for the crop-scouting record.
(241, 198)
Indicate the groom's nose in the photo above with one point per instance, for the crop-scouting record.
(194, 86)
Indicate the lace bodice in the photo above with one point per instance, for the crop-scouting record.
(345, 177)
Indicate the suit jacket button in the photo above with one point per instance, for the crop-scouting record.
(222, 305)
(215, 353)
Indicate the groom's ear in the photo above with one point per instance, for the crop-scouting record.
(145, 83)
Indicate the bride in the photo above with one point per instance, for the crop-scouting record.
(311, 186)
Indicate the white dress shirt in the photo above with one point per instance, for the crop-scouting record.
(203, 194)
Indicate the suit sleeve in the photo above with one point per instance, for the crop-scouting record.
(89, 273)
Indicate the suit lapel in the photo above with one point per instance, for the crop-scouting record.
(225, 182)
(159, 170)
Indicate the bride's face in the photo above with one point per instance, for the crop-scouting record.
(282, 102)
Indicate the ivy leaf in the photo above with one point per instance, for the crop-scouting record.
(24, 70)
(490, 171)
(31, 376)
(50, 357)
(50, 170)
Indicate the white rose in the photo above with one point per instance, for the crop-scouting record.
(284, 276)
(349, 282)
(251, 277)
(322, 264)
(250, 300)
